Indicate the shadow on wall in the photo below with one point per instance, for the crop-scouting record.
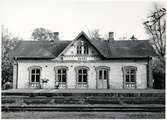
(159, 80)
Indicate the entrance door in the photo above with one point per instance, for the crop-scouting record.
(102, 79)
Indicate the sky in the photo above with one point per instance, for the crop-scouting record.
(70, 17)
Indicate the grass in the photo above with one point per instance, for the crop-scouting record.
(83, 115)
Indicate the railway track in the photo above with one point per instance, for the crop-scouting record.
(80, 107)
(114, 101)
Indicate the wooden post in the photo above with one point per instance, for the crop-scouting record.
(149, 73)
(15, 73)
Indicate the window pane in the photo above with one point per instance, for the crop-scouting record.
(100, 74)
(59, 78)
(33, 70)
(79, 78)
(84, 78)
(59, 71)
(85, 49)
(63, 78)
(37, 78)
(105, 74)
(127, 71)
(64, 71)
(132, 78)
(132, 71)
(80, 71)
(127, 78)
(32, 78)
(78, 49)
(38, 71)
(84, 71)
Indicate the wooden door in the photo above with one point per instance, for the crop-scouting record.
(102, 79)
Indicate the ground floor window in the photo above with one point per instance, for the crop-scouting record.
(35, 76)
(82, 77)
(61, 77)
(130, 77)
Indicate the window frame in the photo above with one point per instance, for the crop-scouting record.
(129, 84)
(61, 84)
(82, 48)
(35, 83)
(82, 84)
(86, 49)
(79, 50)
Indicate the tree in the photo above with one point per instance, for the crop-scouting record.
(95, 34)
(8, 44)
(42, 34)
(155, 26)
(156, 29)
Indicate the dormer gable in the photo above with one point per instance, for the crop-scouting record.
(80, 47)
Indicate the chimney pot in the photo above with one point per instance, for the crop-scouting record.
(56, 35)
(111, 36)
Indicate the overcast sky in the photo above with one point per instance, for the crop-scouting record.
(69, 17)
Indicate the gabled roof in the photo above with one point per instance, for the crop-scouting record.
(125, 48)
(39, 49)
(114, 49)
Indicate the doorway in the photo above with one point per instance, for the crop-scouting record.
(102, 79)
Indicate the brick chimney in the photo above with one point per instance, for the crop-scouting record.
(111, 36)
(56, 35)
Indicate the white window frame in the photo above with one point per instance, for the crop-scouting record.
(82, 48)
(60, 82)
(129, 84)
(34, 84)
(81, 84)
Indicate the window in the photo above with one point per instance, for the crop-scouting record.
(103, 74)
(61, 77)
(100, 74)
(82, 48)
(130, 77)
(86, 49)
(82, 77)
(35, 75)
(79, 50)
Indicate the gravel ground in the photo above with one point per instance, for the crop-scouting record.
(83, 115)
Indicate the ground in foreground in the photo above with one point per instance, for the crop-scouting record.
(82, 115)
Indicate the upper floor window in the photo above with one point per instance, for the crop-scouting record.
(79, 50)
(86, 49)
(129, 76)
(82, 48)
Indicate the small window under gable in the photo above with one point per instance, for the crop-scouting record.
(82, 48)
(79, 50)
(86, 49)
